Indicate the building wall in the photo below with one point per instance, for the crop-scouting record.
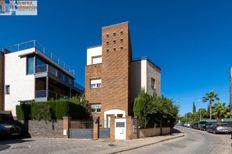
(2, 81)
(92, 52)
(114, 71)
(116, 58)
(153, 72)
(141, 73)
(22, 86)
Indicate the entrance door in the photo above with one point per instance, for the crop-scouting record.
(120, 129)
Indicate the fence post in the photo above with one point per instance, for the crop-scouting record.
(129, 128)
(95, 128)
(112, 127)
(66, 126)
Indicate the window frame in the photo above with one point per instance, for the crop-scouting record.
(27, 65)
(96, 84)
(93, 57)
(153, 84)
(7, 89)
(96, 107)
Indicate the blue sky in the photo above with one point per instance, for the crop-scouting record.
(189, 39)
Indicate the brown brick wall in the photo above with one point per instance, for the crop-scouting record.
(2, 81)
(116, 62)
(114, 71)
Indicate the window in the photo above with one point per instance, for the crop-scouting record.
(114, 34)
(121, 40)
(96, 108)
(97, 60)
(153, 83)
(95, 83)
(7, 89)
(114, 41)
(30, 65)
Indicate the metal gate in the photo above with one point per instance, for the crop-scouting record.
(81, 129)
(104, 132)
(82, 133)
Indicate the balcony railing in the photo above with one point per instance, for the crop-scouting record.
(35, 44)
(51, 94)
(40, 93)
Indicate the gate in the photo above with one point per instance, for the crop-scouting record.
(82, 133)
(81, 129)
(104, 132)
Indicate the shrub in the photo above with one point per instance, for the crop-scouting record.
(52, 110)
(23, 111)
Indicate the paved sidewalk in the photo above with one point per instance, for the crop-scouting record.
(138, 143)
(75, 146)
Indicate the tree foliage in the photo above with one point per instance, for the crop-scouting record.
(210, 97)
(152, 111)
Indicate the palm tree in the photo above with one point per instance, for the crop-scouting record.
(220, 110)
(211, 97)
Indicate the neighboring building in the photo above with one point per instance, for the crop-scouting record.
(113, 79)
(27, 73)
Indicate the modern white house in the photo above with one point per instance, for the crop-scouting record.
(31, 74)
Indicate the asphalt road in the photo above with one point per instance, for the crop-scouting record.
(194, 142)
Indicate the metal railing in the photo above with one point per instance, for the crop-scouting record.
(40, 93)
(38, 46)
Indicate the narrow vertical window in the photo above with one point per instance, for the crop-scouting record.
(7, 89)
(153, 83)
(30, 65)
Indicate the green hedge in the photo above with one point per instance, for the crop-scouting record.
(51, 110)
(23, 111)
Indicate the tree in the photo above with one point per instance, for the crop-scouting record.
(220, 111)
(211, 97)
(194, 107)
(155, 110)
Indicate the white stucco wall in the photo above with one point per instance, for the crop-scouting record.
(22, 86)
(141, 74)
(152, 72)
(93, 52)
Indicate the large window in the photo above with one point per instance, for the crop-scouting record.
(30, 65)
(40, 66)
(95, 83)
(96, 108)
(97, 60)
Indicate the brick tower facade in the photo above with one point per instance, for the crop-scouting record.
(113, 96)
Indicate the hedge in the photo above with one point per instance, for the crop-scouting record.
(51, 110)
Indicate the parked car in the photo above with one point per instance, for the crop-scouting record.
(219, 128)
(9, 125)
(187, 125)
(202, 125)
(195, 125)
(13, 129)
(4, 132)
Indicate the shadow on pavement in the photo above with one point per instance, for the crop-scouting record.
(175, 130)
(5, 143)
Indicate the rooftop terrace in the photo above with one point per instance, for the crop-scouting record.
(38, 46)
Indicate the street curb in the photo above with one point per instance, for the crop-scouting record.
(137, 147)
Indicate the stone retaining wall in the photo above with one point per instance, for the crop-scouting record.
(44, 128)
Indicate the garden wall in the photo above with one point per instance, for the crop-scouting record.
(45, 129)
(149, 132)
